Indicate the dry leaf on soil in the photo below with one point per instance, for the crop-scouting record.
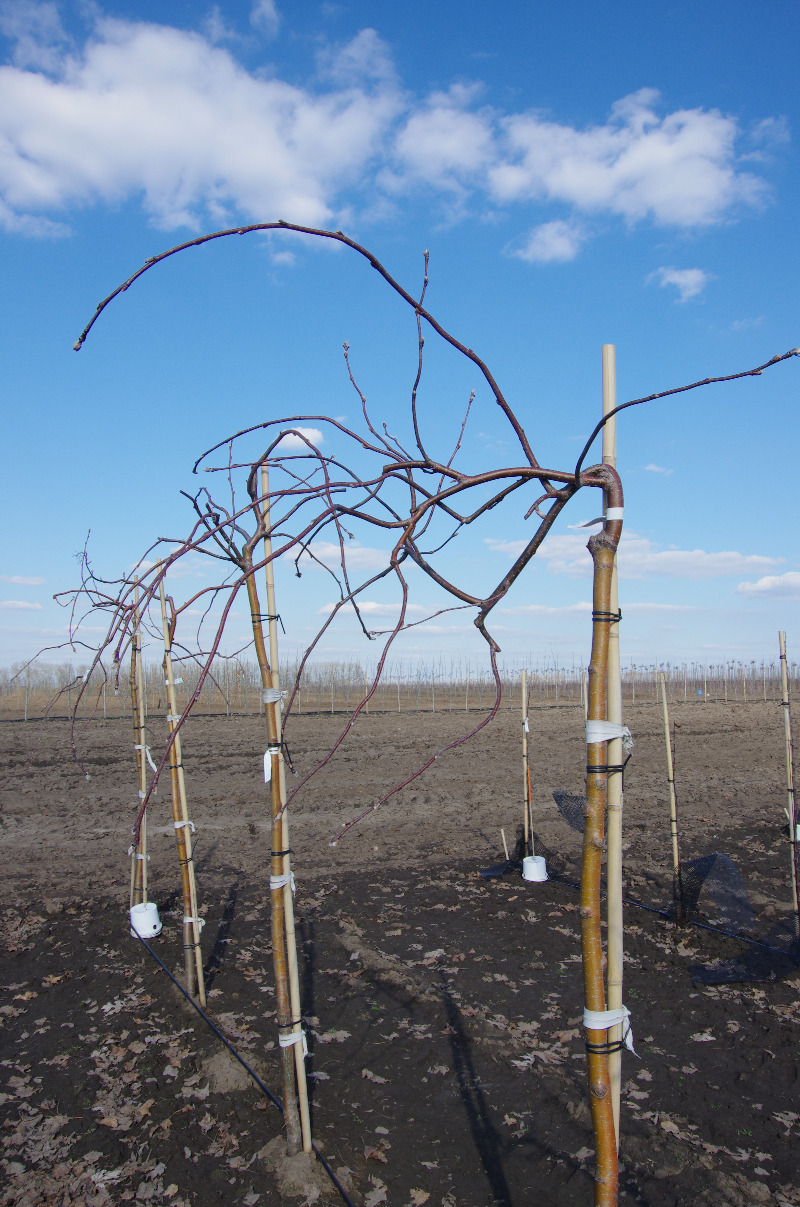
(377, 1194)
(376, 1077)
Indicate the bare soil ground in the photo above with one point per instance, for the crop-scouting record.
(443, 1010)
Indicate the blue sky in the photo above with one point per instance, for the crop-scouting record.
(580, 173)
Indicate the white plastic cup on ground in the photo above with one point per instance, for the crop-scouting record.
(145, 921)
(534, 867)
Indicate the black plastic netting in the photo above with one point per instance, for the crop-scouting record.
(716, 874)
(571, 809)
(710, 883)
(756, 964)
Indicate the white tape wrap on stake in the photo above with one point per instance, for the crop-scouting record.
(604, 1020)
(180, 824)
(276, 882)
(149, 757)
(615, 513)
(297, 1037)
(200, 921)
(271, 695)
(268, 753)
(606, 731)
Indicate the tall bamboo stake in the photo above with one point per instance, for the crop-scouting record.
(527, 798)
(288, 900)
(283, 1004)
(139, 852)
(602, 548)
(677, 879)
(791, 799)
(192, 953)
(614, 972)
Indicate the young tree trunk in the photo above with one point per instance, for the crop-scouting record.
(602, 548)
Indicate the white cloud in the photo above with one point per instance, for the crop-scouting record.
(190, 566)
(291, 441)
(658, 469)
(552, 242)
(639, 557)
(772, 585)
(584, 608)
(369, 607)
(265, 17)
(660, 607)
(170, 116)
(581, 608)
(364, 57)
(162, 113)
(359, 557)
(444, 144)
(678, 170)
(19, 580)
(19, 605)
(36, 31)
(747, 324)
(688, 281)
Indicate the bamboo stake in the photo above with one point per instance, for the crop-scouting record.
(192, 953)
(614, 913)
(602, 548)
(283, 1005)
(527, 805)
(139, 853)
(791, 798)
(288, 899)
(677, 881)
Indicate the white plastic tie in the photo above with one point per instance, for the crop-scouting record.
(179, 824)
(527, 727)
(200, 921)
(615, 513)
(146, 750)
(297, 1037)
(271, 695)
(606, 731)
(136, 854)
(604, 1020)
(276, 882)
(142, 795)
(268, 753)
(173, 719)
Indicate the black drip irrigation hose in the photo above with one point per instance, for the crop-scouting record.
(665, 913)
(264, 1089)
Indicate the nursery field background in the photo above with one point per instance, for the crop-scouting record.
(39, 689)
(443, 1010)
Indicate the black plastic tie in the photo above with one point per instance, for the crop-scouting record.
(262, 616)
(606, 1047)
